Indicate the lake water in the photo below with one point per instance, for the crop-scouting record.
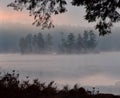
(101, 69)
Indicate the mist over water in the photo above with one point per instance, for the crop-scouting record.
(101, 70)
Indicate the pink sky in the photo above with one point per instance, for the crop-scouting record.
(12, 16)
(72, 17)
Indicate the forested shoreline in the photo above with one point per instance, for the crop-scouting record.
(67, 44)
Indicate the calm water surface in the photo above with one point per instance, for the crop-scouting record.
(86, 69)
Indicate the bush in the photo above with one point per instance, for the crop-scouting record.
(12, 87)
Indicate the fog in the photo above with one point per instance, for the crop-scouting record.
(100, 70)
(11, 33)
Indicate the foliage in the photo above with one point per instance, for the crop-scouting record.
(70, 42)
(67, 43)
(12, 87)
(104, 12)
(42, 10)
(49, 42)
(40, 42)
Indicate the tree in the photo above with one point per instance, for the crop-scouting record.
(70, 43)
(26, 44)
(22, 45)
(89, 40)
(49, 42)
(79, 43)
(34, 43)
(63, 43)
(105, 12)
(85, 40)
(40, 42)
(28, 39)
(92, 40)
(42, 10)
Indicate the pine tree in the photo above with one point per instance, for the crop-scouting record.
(89, 40)
(63, 43)
(34, 44)
(49, 42)
(79, 43)
(70, 43)
(28, 40)
(85, 40)
(40, 42)
(92, 41)
(22, 45)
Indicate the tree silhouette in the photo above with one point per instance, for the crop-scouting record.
(85, 40)
(11, 86)
(49, 42)
(40, 42)
(22, 45)
(92, 40)
(42, 10)
(70, 43)
(29, 42)
(79, 43)
(105, 12)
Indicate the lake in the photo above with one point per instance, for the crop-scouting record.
(100, 70)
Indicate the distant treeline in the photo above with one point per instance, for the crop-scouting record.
(39, 43)
(12, 87)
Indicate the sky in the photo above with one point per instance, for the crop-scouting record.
(74, 16)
